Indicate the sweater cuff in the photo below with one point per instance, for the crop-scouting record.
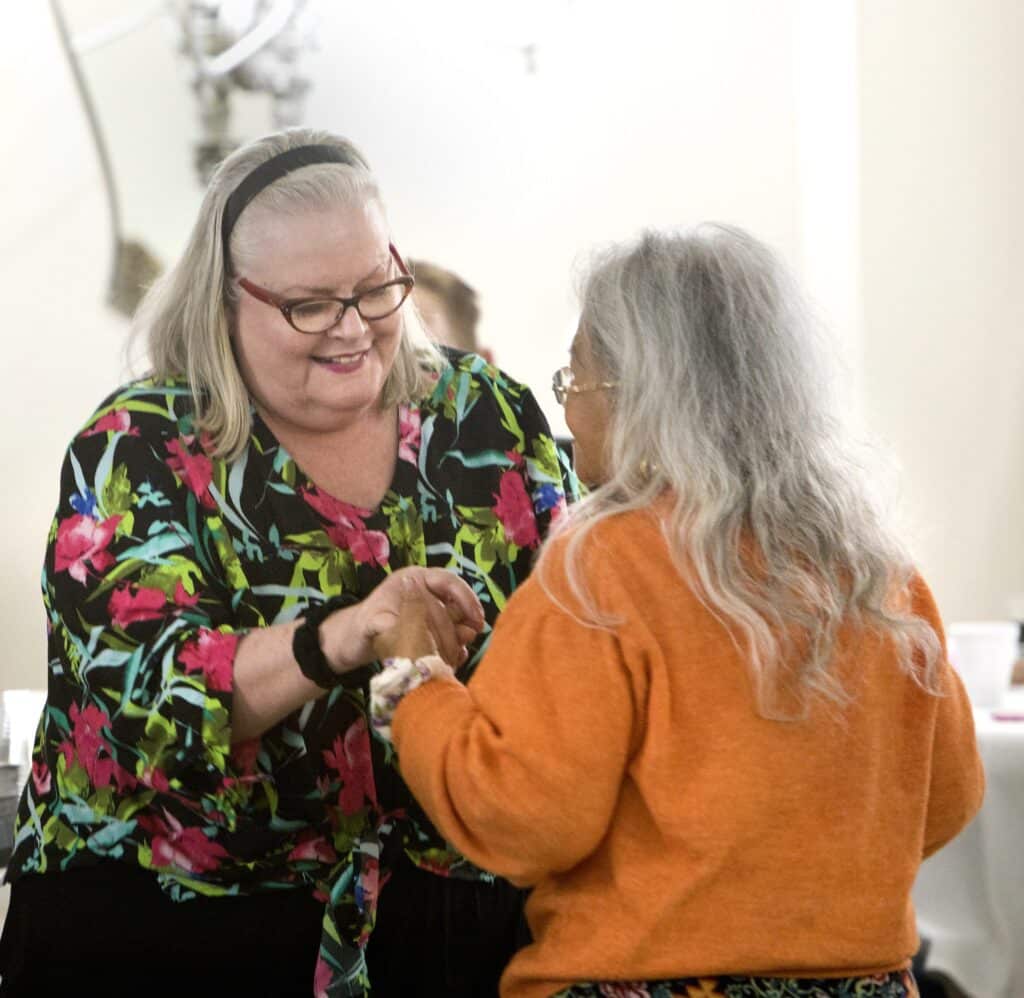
(399, 677)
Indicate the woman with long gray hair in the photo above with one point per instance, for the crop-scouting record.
(716, 732)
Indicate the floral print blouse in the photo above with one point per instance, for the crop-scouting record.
(161, 556)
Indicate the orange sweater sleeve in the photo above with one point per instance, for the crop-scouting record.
(957, 784)
(522, 768)
(958, 781)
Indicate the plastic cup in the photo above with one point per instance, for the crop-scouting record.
(983, 652)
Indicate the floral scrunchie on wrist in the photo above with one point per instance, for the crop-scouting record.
(399, 677)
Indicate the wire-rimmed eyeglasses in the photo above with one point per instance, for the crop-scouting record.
(563, 384)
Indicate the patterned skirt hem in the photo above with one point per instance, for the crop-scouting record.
(899, 984)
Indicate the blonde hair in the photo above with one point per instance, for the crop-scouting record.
(186, 315)
(719, 408)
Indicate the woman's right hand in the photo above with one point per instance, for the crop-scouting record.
(453, 615)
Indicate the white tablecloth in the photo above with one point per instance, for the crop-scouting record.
(19, 715)
(970, 895)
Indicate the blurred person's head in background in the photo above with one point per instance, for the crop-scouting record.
(449, 307)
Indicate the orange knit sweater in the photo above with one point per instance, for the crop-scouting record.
(667, 829)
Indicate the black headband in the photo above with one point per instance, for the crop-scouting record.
(274, 169)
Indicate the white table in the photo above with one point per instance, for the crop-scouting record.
(970, 895)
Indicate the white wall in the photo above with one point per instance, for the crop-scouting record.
(63, 349)
(60, 351)
(943, 297)
(669, 114)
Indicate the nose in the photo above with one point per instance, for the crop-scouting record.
(351, 325)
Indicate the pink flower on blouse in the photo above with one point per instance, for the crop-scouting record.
(155, 779)
(126, 608)
(183, 848)
(322, 978)
(182, 598)
(243, 756)
(41, 778)
(213, 654)
(317, 848)
(87, 731)
(351, 761)
(347, 529)
(82, 539)
(117, 421)
(515, 511)
(146, 603)
(408, 434)
(334, 510)
(195, 470)
(90, 748)
(367, 546)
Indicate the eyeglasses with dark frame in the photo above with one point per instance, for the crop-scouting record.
(321, 314)
(563, 384)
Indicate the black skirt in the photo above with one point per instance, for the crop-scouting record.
(441, 936)
(110, 930)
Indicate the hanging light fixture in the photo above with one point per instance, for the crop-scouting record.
(250, 45)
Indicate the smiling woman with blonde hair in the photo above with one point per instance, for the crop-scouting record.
(207, 809)
(716, 732)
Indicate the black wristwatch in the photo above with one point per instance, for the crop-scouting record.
(306, 643)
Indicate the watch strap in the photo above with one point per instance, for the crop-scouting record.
(306, 645)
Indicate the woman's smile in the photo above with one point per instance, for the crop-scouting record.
(342, 363)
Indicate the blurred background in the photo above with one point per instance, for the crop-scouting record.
(878, 146)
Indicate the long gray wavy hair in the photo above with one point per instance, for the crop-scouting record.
(187, 315)
(720, 405)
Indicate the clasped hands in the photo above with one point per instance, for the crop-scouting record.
(414, 612)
